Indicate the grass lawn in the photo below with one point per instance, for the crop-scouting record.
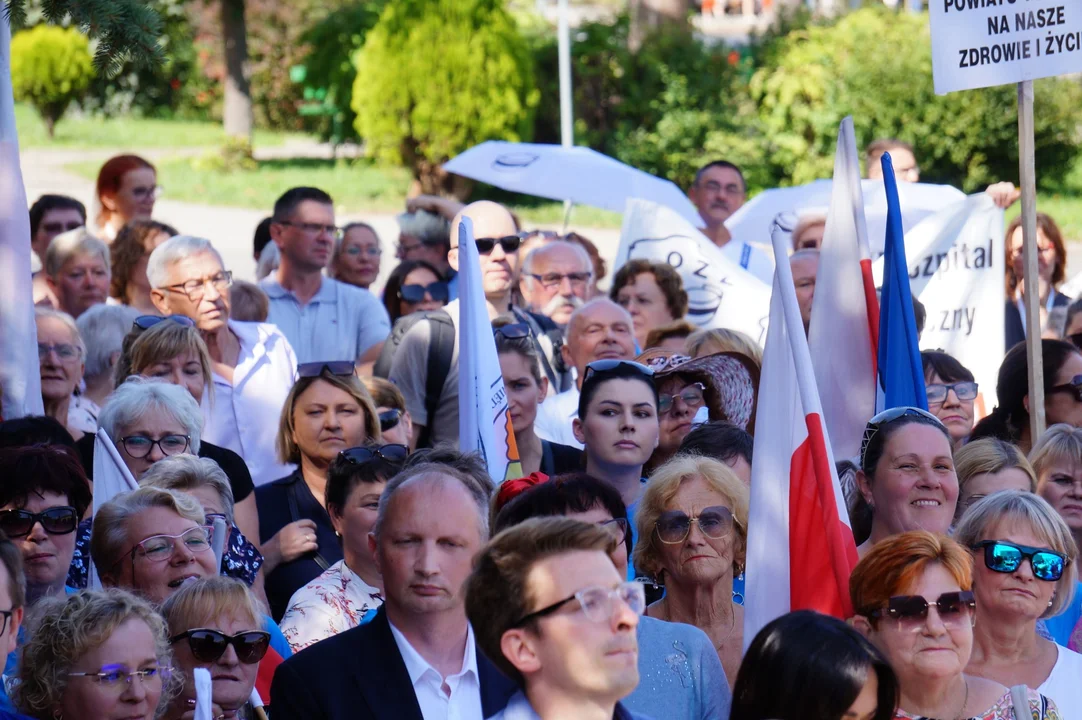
(94, 132)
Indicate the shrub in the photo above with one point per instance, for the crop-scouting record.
(436, 77)
(50, 68)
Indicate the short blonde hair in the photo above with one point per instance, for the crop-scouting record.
(288, 451)
(66, 628)
(66, 246)
(163, 341)
(1042, 520)
(205, 600)
(1061, 442)
(187, 472)
(725, 340)
(662, 489)
(989, 455)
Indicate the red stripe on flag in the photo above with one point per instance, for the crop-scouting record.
(871, 301)
(265, 673)
(822, 552)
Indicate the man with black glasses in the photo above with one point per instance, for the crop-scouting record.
(557, 278)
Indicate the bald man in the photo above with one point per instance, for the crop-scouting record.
(435, 410)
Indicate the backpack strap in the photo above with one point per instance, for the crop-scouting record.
(536, 332)
(441, 349)
(1020, 702)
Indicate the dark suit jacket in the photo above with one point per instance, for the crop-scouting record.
(1012, 320)
(360, 675)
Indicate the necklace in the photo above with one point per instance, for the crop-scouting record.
(965, 700)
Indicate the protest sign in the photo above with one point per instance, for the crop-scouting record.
(980, 43)
(955, 261)
(721, 294)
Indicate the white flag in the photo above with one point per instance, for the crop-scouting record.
(721, 294)
(20, 378)
(111, 478)
(204, 687)
(484, 424)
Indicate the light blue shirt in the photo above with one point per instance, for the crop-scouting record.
(340, 322)
(680, 675)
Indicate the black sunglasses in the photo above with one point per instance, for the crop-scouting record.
(509, 243)
(208, 645)
(145, 322)
(339, 368)
(950, 606)
(438, 291)
(514, 331)
(389, 419)
(391, 453)
(607, 366)
(55, 521)
(888, 416)
(1074, 387)
(1006, 557)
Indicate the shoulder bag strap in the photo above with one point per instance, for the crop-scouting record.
(1020, 702)
(295, 515)
(537, 331)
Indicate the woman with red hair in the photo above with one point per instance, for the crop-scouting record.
(126, 190)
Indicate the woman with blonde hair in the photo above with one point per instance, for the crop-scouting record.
(714, 340)
(692, 527)
(989, 465)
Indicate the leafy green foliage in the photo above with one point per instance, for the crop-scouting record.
(50, 68)
(436, 77)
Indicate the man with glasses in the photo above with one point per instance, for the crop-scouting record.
(253, 364)
(324, 319)
(554, 614)
(719, 191)
(557, 278)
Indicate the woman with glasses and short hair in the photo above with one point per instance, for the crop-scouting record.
(95, 655)
(346, 592)
(988, 465)
(61, 362)
(327, 411)
(913, 598)
(951, 391)
(356, 256)
(414, 286)
(906, 474)
(1025, 570)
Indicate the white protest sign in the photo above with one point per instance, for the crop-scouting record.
(955, 260)
(980, 43)
(721, 294)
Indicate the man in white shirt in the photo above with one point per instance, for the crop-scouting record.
(323, 319)
(252, 364)
(599, 330)
(417, 659)
(719, 191)
(555, 616)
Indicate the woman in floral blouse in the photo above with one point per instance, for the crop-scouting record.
(350, 589)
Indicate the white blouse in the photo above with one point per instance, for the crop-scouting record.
(1064, 683)
(334, 602)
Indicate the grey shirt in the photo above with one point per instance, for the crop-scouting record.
(409, 371)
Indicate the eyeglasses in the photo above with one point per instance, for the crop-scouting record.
(513, 331)
(143, 192)
(618, 527)
(208, 645)
(116, 678)
(937, 393)
(196, 289)
(730, 188)
(550, 281)
(438, 291)
(715, 522)
(338, 368)
(597, 602)
(545, 234)
(145, 322)
(692, 396)
(509, 243)
(55, 228)
(55, 521)
(1074, 387)
(888, 416)
(162, 548)
(140, 446)
(391, 453)
(314, 228)
(64, 351)
(370, 251)
(1005, 557)
(389, 419)
(911, 611)
(606, 366)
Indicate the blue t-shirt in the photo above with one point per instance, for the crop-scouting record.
(1061, 626)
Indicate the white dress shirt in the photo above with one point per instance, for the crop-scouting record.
(456, 697)
(244, 416)
(554, 416)
(752, 258)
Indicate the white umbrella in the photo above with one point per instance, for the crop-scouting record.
(576, 174)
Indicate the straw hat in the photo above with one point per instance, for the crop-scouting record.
(730, 379)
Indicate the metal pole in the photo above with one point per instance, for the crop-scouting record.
(1031, 285)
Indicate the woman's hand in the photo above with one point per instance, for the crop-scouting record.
(289, 543)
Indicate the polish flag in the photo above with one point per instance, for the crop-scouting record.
(844, 329)
(800, 544)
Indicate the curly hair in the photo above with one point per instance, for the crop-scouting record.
(131, 245)
(668, 280)
(64, 629)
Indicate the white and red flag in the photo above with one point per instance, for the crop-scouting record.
(800, 544)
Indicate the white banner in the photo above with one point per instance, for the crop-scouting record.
(721, 294)
(955, 261)
(980, 43)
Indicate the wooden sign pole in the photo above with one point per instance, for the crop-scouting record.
(1029, 243)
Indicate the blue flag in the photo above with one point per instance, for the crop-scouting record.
(901, 375)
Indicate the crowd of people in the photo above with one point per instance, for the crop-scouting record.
(307, 530)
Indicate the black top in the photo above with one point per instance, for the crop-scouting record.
(280, 503)
(240, 480)
(557, 459)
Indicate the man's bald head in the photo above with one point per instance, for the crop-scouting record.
(491, 221)
(599, 330)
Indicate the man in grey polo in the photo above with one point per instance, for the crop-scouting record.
(323, 319)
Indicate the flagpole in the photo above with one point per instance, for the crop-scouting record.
(1027, 172)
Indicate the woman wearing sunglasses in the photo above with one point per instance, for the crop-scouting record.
(692, 538)
(951, 391)
(395, 421)
(912, 595)
(414, 286)
(341, 597)
(215, 624)
(1024, 570)
(906, 474)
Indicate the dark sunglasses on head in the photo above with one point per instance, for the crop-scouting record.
(1006, 557)
(514, 331)
(951, 607)
(416, 293)
(56, 521)
(888, 416)
(1074, 387)
(208, 645)
(340, 368)
(606, 366)
(509, 243)
(391, 453)
(145, 322)
(389, 419)
(937, 392)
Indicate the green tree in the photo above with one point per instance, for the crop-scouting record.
(436, 77)
(51, 67)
